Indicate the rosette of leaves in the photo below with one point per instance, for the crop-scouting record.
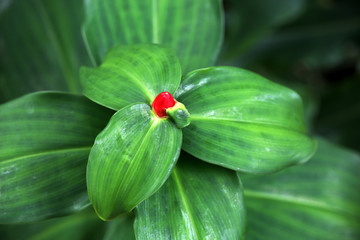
(233, 118)
(237, 119)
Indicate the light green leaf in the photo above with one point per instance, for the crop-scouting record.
(193, 29)
(41, 46)
(45, 142)
(129, 74)
(317, 200)
(130, 160)
(198, 201)
(243, 121)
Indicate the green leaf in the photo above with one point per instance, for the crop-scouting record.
(45, 142)
(193, 29)
(41, 46)
(129, 74)
(243, 121)
(82, 225)
(198, 201)
(130, 160)
(317, 200)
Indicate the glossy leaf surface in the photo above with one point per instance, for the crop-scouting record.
(243, 121)
(130, 160)
(317, 200)
(41, 46)
(193, 29)
(45, 142)
(129, 74)
(198, 201)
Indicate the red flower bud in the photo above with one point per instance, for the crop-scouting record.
(163, 101)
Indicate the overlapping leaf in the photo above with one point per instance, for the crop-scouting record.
(129, 74)
(198, 201)
(45, 141)
(130, 160)
(317, 200)
(243, 121)
(193, 29)
(41, 46)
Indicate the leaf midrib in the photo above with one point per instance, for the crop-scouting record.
(303, 201)
(153, 123)
(184, 200)
(150, 96)
(49, 152)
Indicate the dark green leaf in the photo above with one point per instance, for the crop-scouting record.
(45, 142)
(243, 121)
(247, 21)
(339, 116)
(324, 36)
(41, 46)
(120, 228)
(317, 200)
(129, 74)
(193, 29)
(82, 225)
(198, 201)
(131, 159)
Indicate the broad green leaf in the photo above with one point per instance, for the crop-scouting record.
(193, 29)
(317, 200)
(45, 141)
(198, 201)
(243, 121)
(82, 225)
(129, 74)
(41, 46)
(120, 228)
(130, 160)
